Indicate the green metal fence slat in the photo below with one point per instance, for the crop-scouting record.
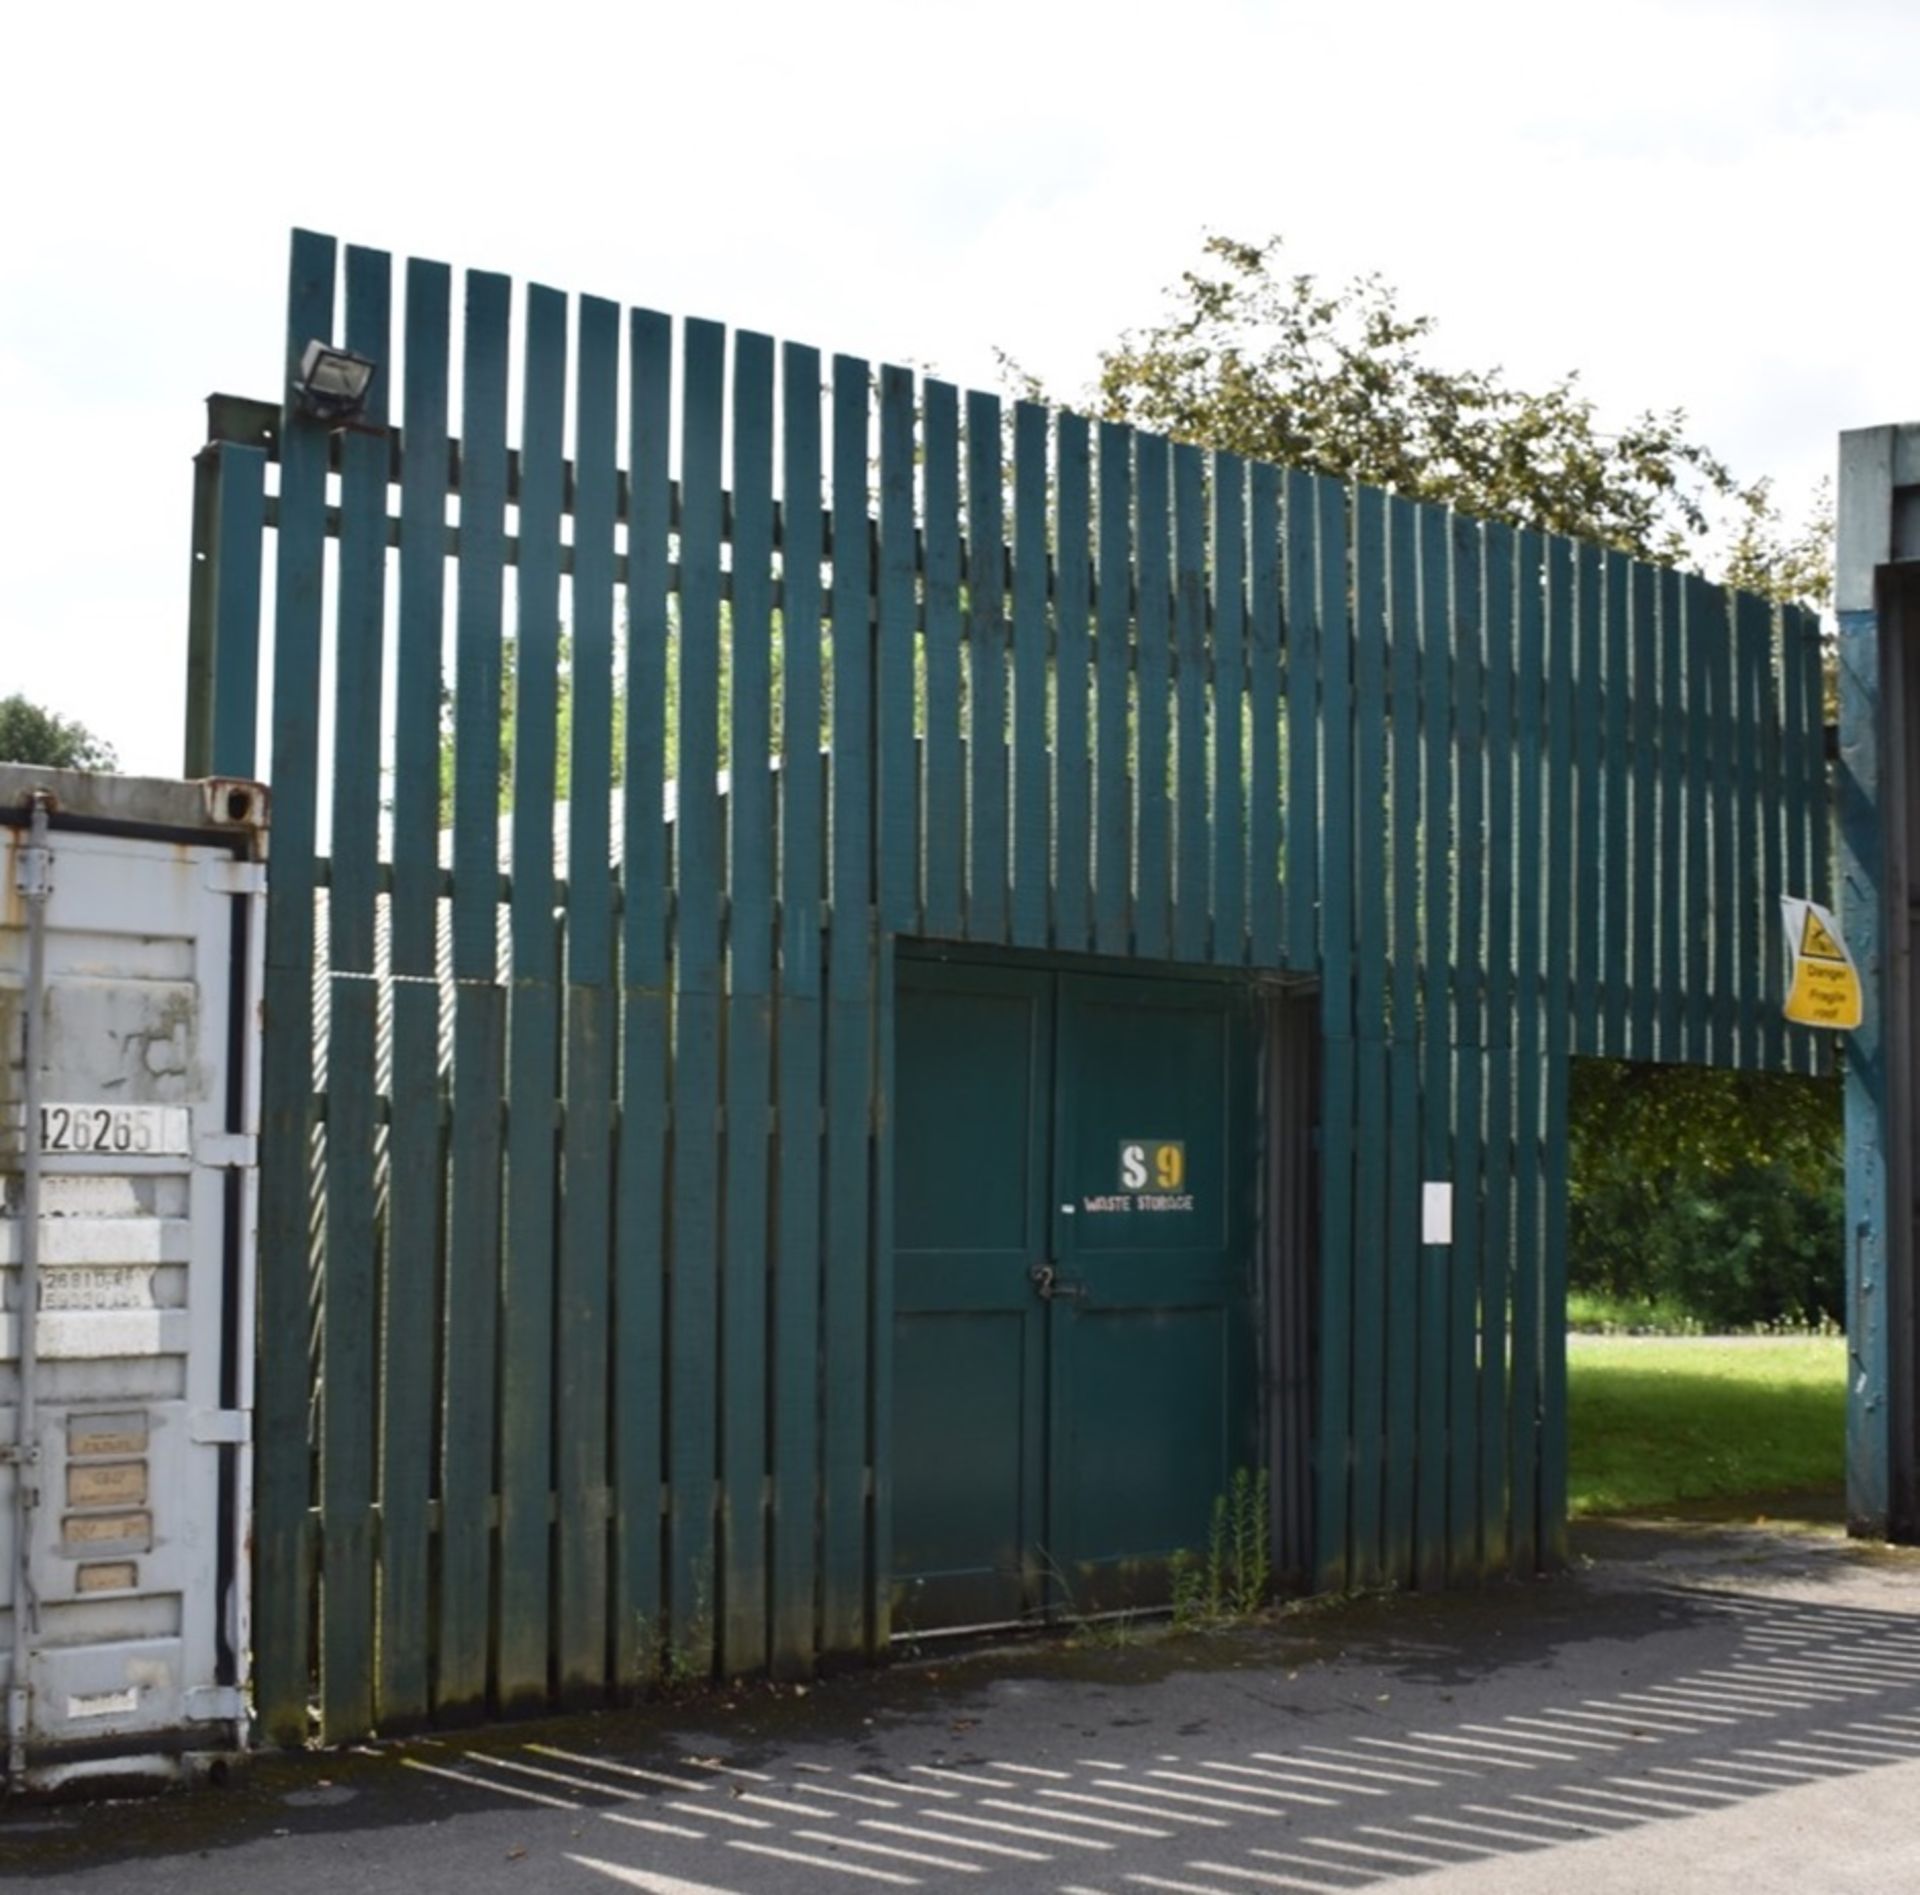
(410, 1321)
(1190, 864)
(1263, 698)
(1643, 975)
(1698, 887)
(1812, 750)
(796, 1359)
(1616, 784)
(946, 818)
(1464, 1258)
(1300, 892)
(693, 1285)
(239, 524)
(896, 804)
(750, 960)
(1153, 780)
(1561, 791)
(1674, 944)
(845, 1360)
(880, 1538)
(1797, 808)
(1748, 636)
(986, 725)
(1496, 1254)
(1588, 869)
(1073, 851)
(1773, 835)
(1333, 1530)
(1436, 1026)
(1523, 1400)
(283, 1572)
(585, 1290)
(637, 1442)
(479, 1020)
(1723, 841)
(1113, 806)
(1228, 701)
(533, 1027)
(1403, 1231)
(349, 1372)
(1371, 1235)
(1032, 813)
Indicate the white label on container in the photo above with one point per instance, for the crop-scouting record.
(134, 1130)
(105, 1704)
(99, 1286)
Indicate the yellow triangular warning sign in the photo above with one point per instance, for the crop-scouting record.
(1816, 939)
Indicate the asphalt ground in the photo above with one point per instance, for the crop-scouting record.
(1695, 1704)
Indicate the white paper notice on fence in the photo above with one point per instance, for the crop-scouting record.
(1436, 1213)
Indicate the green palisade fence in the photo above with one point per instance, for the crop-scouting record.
(575, 1305)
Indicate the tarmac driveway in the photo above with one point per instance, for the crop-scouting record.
(1697, 1705)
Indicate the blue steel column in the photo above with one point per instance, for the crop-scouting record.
(1864, 544)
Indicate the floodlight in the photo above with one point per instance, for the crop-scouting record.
(333, 383)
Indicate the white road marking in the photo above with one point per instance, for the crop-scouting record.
(894, 1783)
(839, 1841)
(1248, 1789)
(660, 1777)
(726, 1769)
(947, 1841)
(1136, 1809)
(1067, 1816)
(1187, 1796)
(1370, 1767)
(1301, 1773)
(1172, 1887)
(1560, 1738)
(645, 1879)
(1268, 1878)
(489, 1783)
(962, 1776)
(845, 1796)
(570, 1778)
(812, 1810)
(859, 1869)
(658, 1828)
(1526, 1816)
(1016, 1829)
(713, 1813)
(1059, 1776)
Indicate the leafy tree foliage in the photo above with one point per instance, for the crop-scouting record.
(1717, 1190)
(1275, 365)
(31, 734)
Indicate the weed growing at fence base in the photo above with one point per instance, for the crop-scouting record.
(1661, 1418)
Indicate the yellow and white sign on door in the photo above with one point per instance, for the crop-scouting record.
(1823, 985)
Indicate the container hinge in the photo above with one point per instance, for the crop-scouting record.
(214, 1704)
(222, 1427)
(33, 873)
(227, 875)
(227, 1151)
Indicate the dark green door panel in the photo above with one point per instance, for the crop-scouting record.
(1152, 1226)
(973, 1049)
(1072, 1368)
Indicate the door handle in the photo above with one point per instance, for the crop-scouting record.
(1049, 1284)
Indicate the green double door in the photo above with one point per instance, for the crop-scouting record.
(1072, 1255)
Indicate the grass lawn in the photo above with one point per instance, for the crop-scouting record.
(1659, 1418)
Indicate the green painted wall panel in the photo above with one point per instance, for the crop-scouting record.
(627, 1300)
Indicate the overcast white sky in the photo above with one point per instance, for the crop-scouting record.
(1694, 202)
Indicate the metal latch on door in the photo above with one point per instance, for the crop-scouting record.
(1050, 1285)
